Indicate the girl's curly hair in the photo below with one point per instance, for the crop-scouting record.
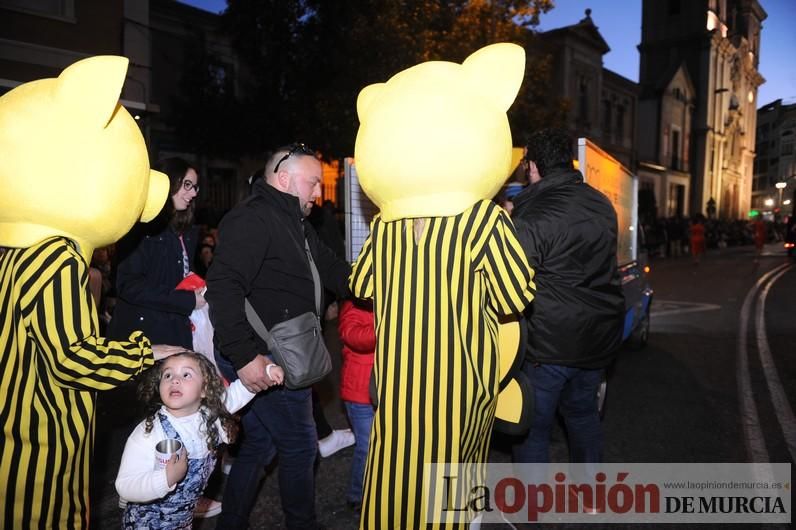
(212, 407)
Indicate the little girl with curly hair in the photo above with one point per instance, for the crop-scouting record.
(185, 399)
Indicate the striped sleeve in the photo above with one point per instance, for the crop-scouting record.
(500, 256)
(361, 281)
(63, 321)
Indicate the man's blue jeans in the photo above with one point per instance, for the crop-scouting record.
(277, 421)
(360, 416)
(572, 391)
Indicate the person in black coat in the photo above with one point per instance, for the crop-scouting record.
(262, 256)
(153, 258)
(568, 230)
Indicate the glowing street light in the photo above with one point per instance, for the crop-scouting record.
(769, 202)
(780, 188)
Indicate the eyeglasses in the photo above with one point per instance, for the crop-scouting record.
(295, 148)
(187, 185)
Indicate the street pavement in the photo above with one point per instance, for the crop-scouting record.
(674, 401)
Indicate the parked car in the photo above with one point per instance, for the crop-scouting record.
(790, 236)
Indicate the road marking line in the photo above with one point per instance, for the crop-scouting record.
(750, 421)
(679, 308)
(781, 405)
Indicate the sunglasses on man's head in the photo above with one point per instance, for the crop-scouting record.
(295, 148)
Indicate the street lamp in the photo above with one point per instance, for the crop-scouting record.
(769, 202)
(780, 187)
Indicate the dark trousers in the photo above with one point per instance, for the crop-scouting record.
(360, 416)
(321, 424)
(573, 392)
(278, 421)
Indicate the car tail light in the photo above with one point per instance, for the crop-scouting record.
(789, 245)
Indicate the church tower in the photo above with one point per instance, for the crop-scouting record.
(714, 45)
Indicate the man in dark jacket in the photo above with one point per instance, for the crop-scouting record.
(568, 231)
(261, 256)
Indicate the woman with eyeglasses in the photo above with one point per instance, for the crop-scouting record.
(158, 255)
(153, 258)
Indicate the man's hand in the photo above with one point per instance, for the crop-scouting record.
(253, 375)
(161, 351)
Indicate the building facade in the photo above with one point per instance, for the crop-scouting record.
(169, 44)
(663, 142)
(187, 46)
(602, 103)
(698, 83)
(39, 38)
(775, 162)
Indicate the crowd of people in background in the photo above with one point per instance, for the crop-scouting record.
(669, 237)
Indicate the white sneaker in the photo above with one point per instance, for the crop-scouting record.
(206, 508)
(339, 439)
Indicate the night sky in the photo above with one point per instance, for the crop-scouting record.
(619, 22)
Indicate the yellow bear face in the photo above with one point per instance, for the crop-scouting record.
(435, 139)
(73, 161)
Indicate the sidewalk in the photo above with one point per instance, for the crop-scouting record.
(769, 250)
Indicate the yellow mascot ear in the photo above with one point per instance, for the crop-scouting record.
(366, 97)
(516, 157)
(89, 89)
(496, 72)
(515, 400)
(158, 188)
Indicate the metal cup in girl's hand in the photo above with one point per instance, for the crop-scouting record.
(164, 450)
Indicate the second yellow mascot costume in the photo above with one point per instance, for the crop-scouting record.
(442, 263)
(74, 175)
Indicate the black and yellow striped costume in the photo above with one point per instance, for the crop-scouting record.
(436, 303)
(51, 364)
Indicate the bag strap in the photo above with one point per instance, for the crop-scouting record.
(258, 325)
(316, 278)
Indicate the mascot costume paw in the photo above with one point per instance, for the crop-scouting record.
(443, 265)
(74, 175)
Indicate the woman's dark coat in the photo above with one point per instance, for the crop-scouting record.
(150, 267)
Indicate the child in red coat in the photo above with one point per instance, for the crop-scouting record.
(358, 336)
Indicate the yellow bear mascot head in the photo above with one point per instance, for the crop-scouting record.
(73, 162)
(435, 138)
